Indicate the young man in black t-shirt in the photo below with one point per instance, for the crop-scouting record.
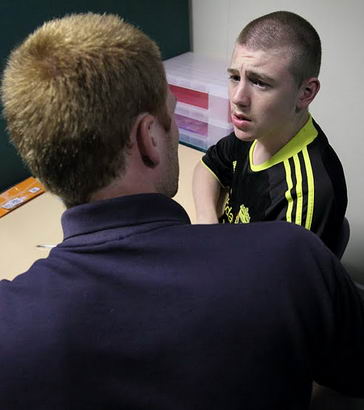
(277, 164)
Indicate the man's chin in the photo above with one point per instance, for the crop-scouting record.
(243, 135)
(169, 188)
(174, 190)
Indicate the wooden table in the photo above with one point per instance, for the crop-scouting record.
(38, 221)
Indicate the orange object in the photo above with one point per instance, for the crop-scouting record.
(19, 194)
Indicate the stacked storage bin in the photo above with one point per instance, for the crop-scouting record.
(200, 86)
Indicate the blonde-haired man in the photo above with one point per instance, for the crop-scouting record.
(74, 86)
(136, 308)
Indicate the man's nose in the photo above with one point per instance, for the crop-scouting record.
(240, 95)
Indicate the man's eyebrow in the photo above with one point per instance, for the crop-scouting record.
(255, 74)
(260, 76)
(233, 71)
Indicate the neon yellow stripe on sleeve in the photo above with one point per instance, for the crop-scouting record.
(297, 166)
(288, 192)
(311, 189)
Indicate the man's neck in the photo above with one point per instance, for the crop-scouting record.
(128, 183)
(265, 149)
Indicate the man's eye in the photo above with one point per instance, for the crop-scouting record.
(259, 83)
(235, 78)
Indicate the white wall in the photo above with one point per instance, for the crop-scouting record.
(339, 106)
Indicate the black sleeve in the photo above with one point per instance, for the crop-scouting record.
(340, 363)
(336, 203)
(330, 190)
(323, 308)
(219, 159)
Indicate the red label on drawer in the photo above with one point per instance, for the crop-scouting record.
(188, 96)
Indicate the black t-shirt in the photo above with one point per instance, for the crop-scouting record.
(302, 183)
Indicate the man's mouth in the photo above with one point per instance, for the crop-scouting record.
(241, 117)
(240, 121)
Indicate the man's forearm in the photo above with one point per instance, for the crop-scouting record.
(206, 194)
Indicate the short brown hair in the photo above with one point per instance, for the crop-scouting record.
(71, 93)
(283, 29)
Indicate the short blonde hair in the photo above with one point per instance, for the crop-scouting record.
(71, 93)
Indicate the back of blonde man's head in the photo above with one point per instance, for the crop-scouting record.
(71, 93)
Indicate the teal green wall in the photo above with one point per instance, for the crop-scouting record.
(166, 21)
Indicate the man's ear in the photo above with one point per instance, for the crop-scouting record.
(307, 92)
(146, 140)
